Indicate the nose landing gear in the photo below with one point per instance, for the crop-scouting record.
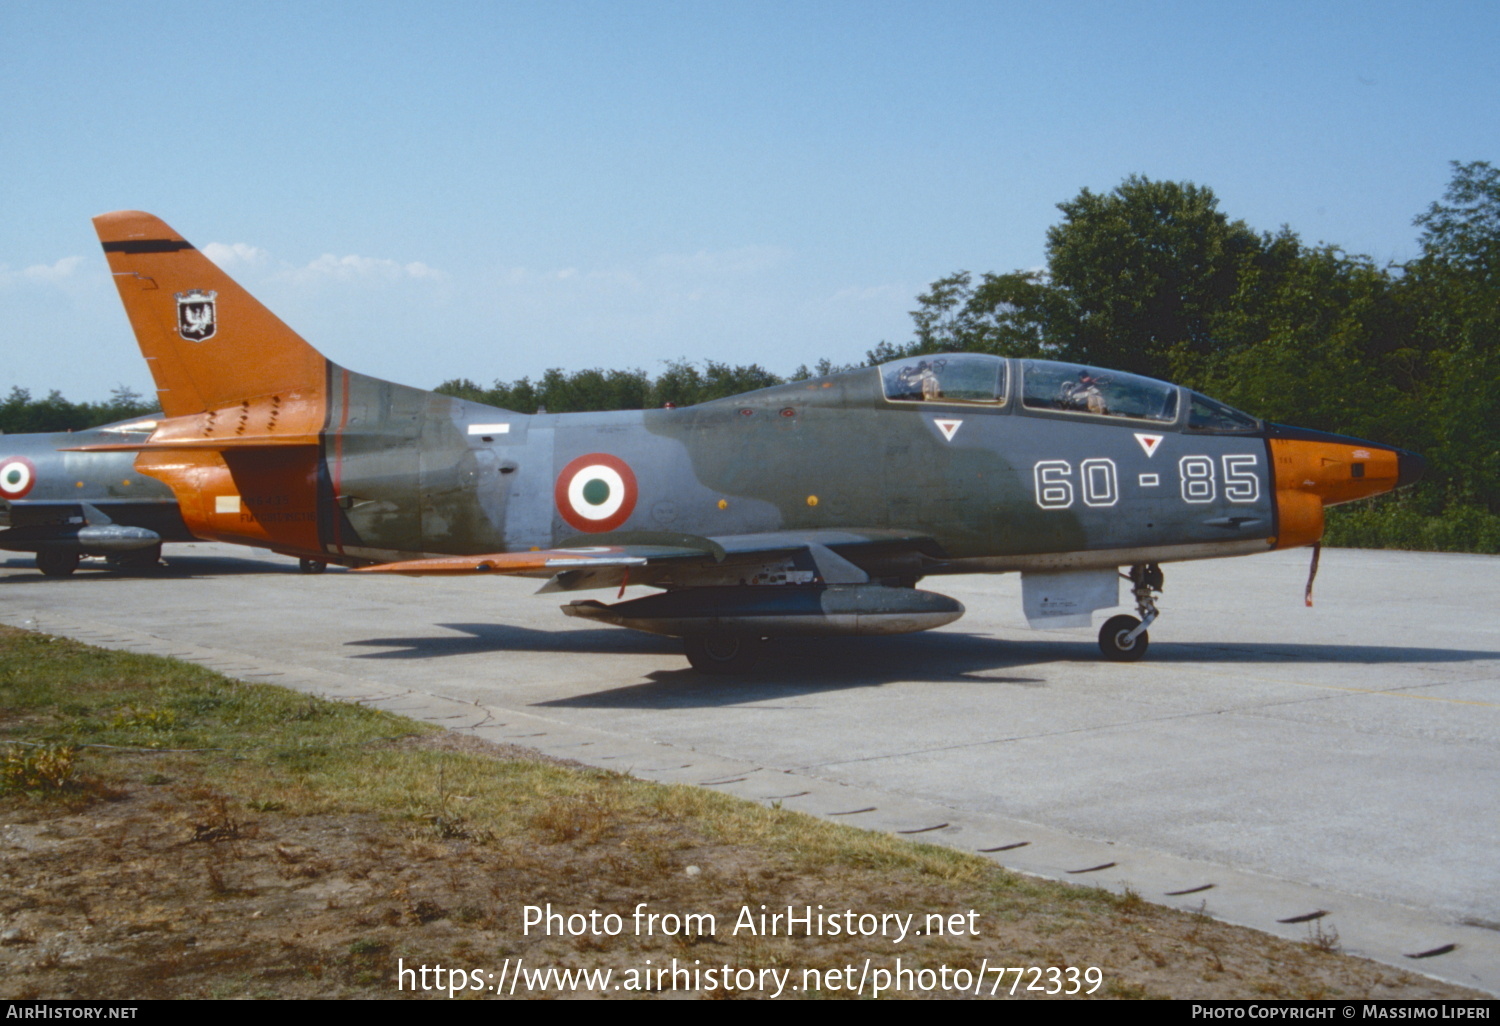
(1123, 639)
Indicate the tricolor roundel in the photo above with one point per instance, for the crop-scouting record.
(596, 492)
(17, 475)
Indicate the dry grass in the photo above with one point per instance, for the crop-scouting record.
(304, 849)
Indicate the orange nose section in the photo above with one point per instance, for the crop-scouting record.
(1314, 470)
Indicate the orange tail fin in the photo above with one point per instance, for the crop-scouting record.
(245, 397)
(208, 342)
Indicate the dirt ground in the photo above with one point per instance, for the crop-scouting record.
(168, 889)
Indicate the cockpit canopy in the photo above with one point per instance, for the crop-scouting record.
(949, 378)
(1055, 387)
(1046, 385)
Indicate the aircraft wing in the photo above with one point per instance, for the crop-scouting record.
(51, 512)
(536, 562)
(833, 556)
(16, 513)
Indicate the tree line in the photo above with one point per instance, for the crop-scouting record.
(1153, 278)
(19, 413)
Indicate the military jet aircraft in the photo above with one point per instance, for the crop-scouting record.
(810, 508)
(64, 504)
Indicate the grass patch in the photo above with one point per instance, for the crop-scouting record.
(45, 769)
(1392, 524)
(177, 834)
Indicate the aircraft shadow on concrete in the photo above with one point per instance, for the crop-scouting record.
(1293, 652)
(798, 668)
(479, 638)
(947, 655)
(795, 667)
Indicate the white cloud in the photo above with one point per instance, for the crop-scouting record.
(358, 268)
(48, 279)
(725, 262)
(871, 294)
(525, 276)
(237, 254)
(64, 268)
(671, 277)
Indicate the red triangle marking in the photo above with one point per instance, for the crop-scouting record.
(949, 428)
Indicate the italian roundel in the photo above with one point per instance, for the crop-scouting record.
(596, 492)
(17, 475)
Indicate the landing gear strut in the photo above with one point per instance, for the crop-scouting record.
(1123, 639)
(311, 566)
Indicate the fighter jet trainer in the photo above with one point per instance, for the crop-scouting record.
(64, 505)
(812, 508)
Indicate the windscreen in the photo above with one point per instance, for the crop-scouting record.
(1212, 417)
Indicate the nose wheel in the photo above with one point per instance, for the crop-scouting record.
(1123, 639)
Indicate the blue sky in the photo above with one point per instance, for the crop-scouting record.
(486, 190)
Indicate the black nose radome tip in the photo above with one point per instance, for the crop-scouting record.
(1410, 466)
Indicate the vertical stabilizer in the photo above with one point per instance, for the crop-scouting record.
(208, 342)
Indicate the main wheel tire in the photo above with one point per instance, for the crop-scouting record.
(57, 562)
(722, 653)
(311, 566)
(1112, 639)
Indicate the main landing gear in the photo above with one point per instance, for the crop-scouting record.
(57, 562)
(138, 559)
(722, 653)
(1123, 639)
(61, 562)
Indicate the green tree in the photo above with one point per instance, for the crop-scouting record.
(1319, 349)
(19, 413)
(558, 391)
(1453, 294)
(1463, 231)
(1143, 271)
(1004, 314)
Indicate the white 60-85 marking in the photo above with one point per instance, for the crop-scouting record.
(1097, 481)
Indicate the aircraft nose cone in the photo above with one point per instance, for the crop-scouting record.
(1410, 468)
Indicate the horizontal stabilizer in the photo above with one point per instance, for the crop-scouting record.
(201, 444)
